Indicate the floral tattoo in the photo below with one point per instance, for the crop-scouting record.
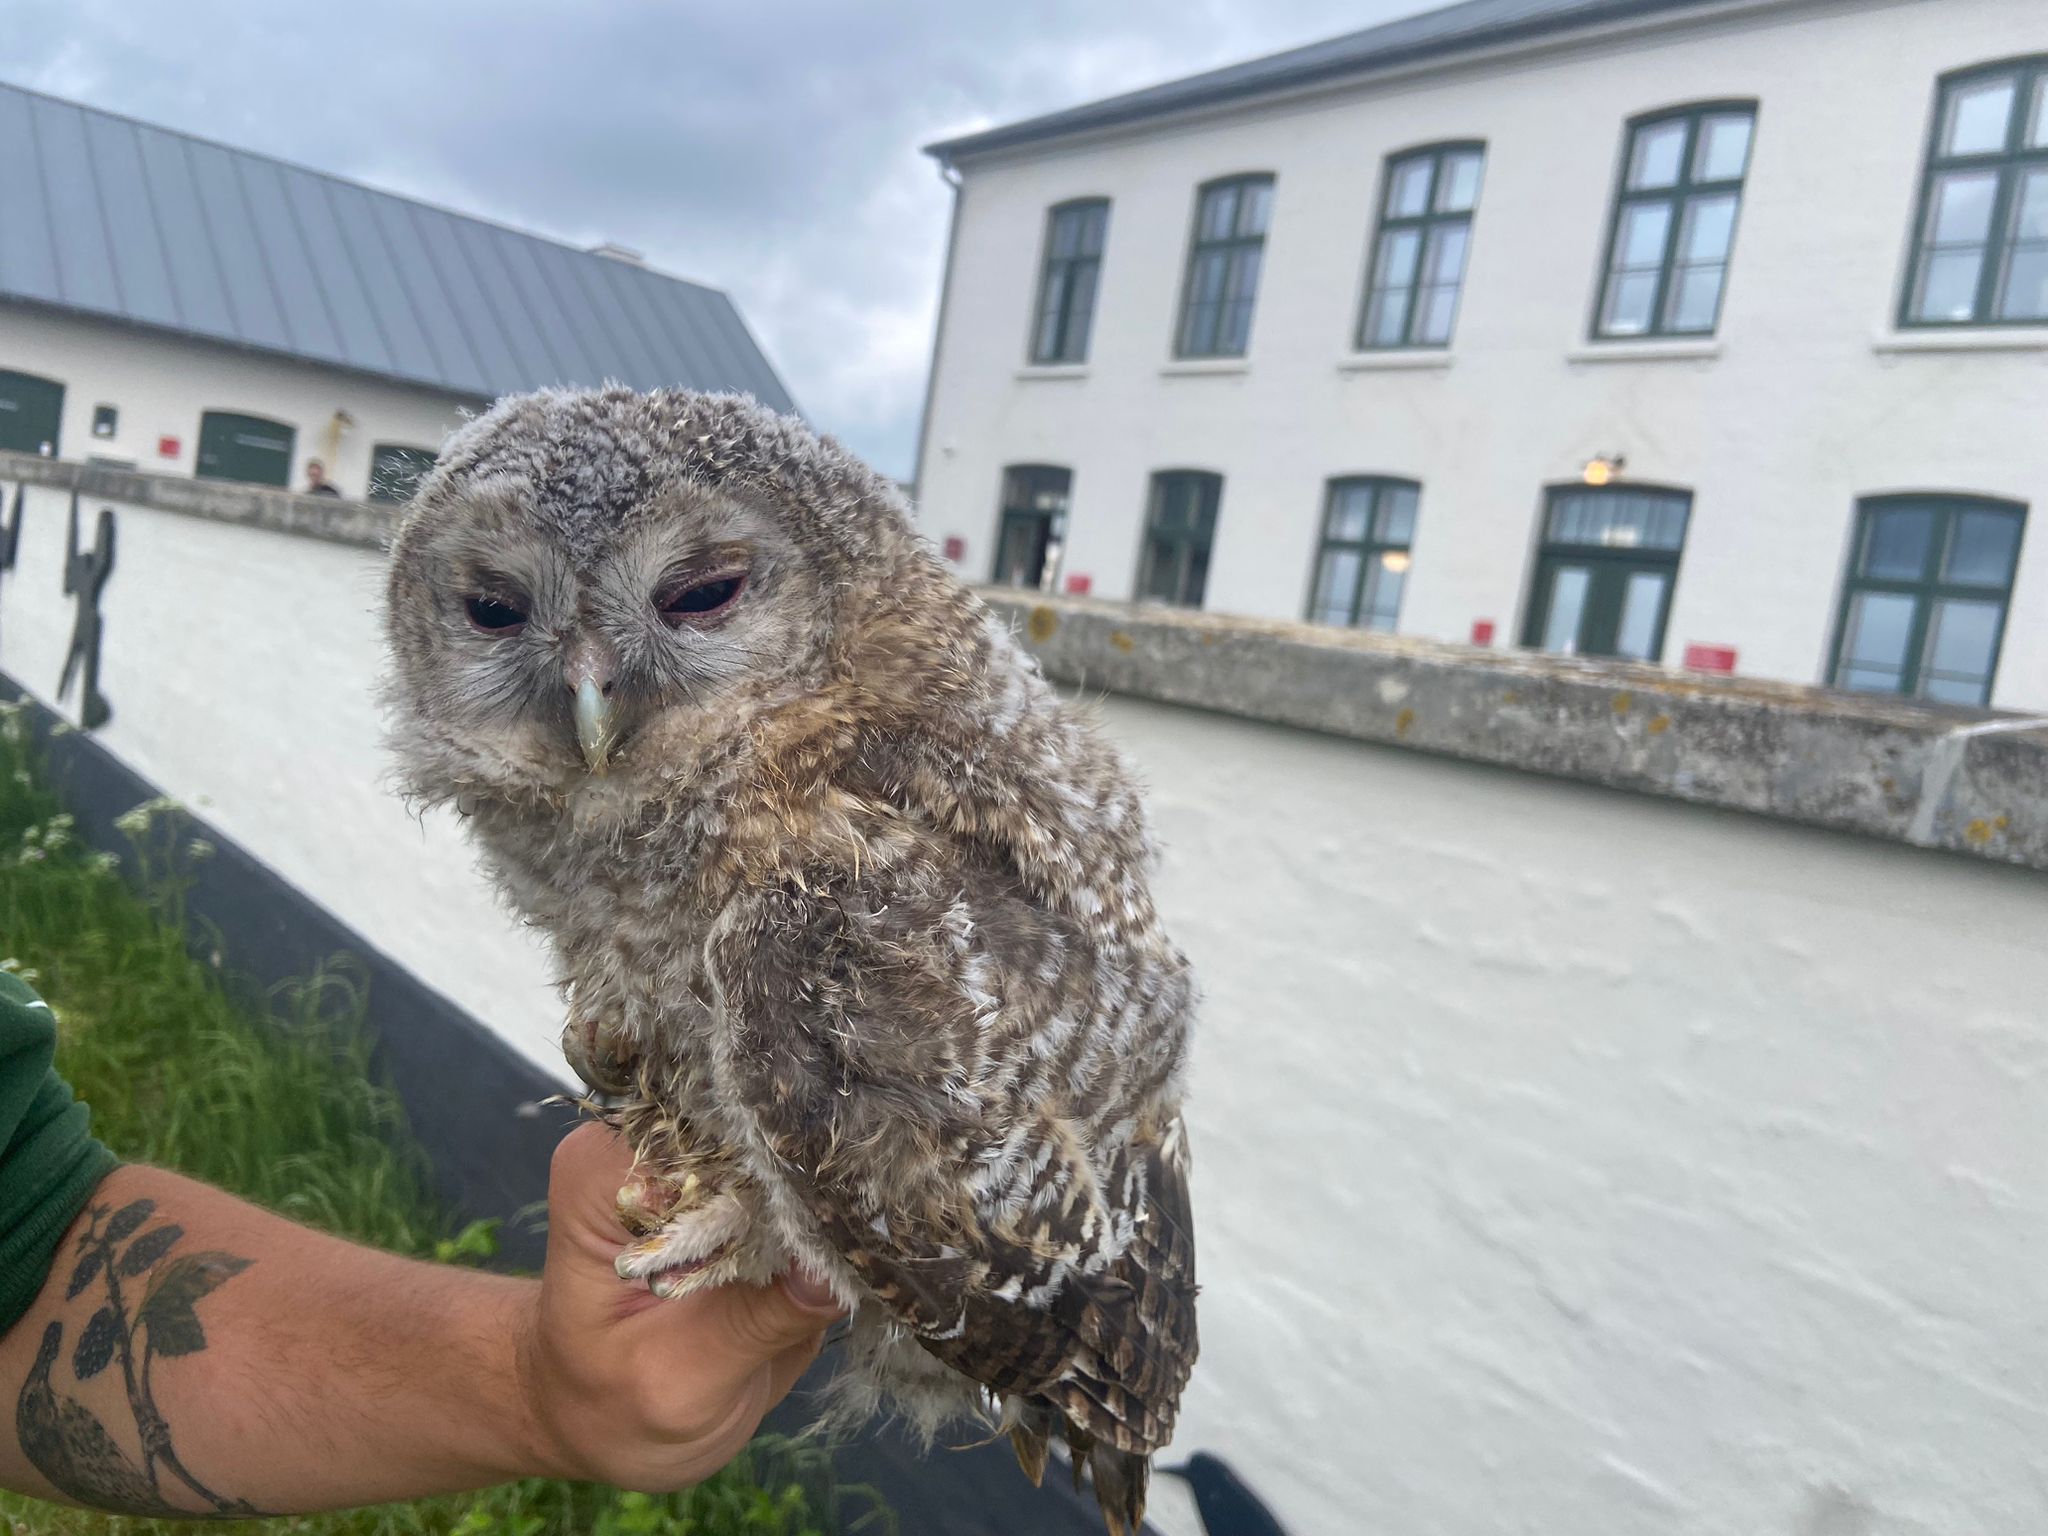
(150, 1314)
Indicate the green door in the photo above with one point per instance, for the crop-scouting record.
(245, 448)
(1605, 571)
(31, 409)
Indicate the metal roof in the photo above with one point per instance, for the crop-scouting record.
(1435, 34)
(102, 215)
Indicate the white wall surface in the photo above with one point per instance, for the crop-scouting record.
(1803, 408)
(1566, 1162)
(162, 384)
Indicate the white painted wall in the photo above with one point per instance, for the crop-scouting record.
(1567, 1162)
(1804, 408)
(162, 384)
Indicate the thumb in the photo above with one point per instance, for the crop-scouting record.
(764, 1320)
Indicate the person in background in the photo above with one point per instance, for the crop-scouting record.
(170, 1350)
(317, 483)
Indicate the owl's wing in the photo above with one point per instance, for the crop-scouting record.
(902, 1050)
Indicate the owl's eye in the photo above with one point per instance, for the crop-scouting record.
(494, 616)
(700, 601)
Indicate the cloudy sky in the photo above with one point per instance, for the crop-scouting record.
(769, 148)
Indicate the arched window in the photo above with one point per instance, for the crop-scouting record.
(1419, 251)
(1980, 251)
(1180, 532)
(1074, 236)
(247, 448)
(1923, 608)
(1362, 565)
(1231, 218)
(1673, 229)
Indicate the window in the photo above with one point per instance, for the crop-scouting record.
(1223, 267)
(106, 421)
(31, 412)
(1368, 524)
(1180, 530)
(1034, 525)
(1980, 253)
(1418, 258)
(1923, 610)
(246, 448)
(1606, 569)
(1674, 222)
(1074, 234)
(397, 470)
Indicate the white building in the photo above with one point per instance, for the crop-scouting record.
(173, 305)
(1664, 328)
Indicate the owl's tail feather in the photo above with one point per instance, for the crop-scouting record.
(1121, 1478)
(1029, 1439)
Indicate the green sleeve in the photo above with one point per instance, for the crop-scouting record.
(49, 1161)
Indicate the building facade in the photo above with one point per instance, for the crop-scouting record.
(1709, 332)
(171, 304)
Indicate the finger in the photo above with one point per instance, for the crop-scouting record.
(590, 1165)
(787, 1368)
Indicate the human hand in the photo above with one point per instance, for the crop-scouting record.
(625, 1388)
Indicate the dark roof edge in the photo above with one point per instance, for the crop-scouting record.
(1134, 107)
(345, 181)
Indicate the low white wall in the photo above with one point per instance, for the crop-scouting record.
(1567, 1161)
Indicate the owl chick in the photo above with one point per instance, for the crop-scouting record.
(849, 910)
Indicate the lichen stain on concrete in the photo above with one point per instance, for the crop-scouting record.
(1977, 833)
(1402, 721)
(1512, 696)
(1624, 701)
(1041, 624)
(1659, 725)
(1209, 637)
(1122, 641)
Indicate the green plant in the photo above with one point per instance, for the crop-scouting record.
(274, 1097)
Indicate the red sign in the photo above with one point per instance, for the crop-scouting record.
(1080, 584)
(168, 447)
(1482, 631)
(1710, 658)
(956, 548)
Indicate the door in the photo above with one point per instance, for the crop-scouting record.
(245, 448)
(1605, 573)
(31, 411)
(1033, 526)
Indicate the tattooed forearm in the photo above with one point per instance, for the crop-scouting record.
(149, 1314)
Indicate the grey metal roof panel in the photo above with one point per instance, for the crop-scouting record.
(1434, 34)
(110, 217)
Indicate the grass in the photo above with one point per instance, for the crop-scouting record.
(274, 1099)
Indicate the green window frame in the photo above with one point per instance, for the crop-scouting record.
(1180, 534)
(396, 470)
(1606, 570)
(1926, 597)
(1980, 230)
(1366, 552)
(1031, 532)
(1671, 238)
(1420, 248)
(1225, 252)
(1069, 276)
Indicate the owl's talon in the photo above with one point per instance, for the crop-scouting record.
(691, 1245)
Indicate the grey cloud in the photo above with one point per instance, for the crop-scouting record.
(769, 149)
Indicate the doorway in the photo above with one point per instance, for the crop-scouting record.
(1606, 570)
(31, 412)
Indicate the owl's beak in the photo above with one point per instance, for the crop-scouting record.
(590, 673)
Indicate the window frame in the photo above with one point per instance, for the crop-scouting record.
(1046, 262)
(1426, 223)
(1368, 549)
(1681, 192)
(1232, 244)
(1007, 509)
(1536, 602)
(1155, 498)
(2009, 162)
(1929, 590)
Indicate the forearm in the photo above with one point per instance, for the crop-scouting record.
(244, 1363)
